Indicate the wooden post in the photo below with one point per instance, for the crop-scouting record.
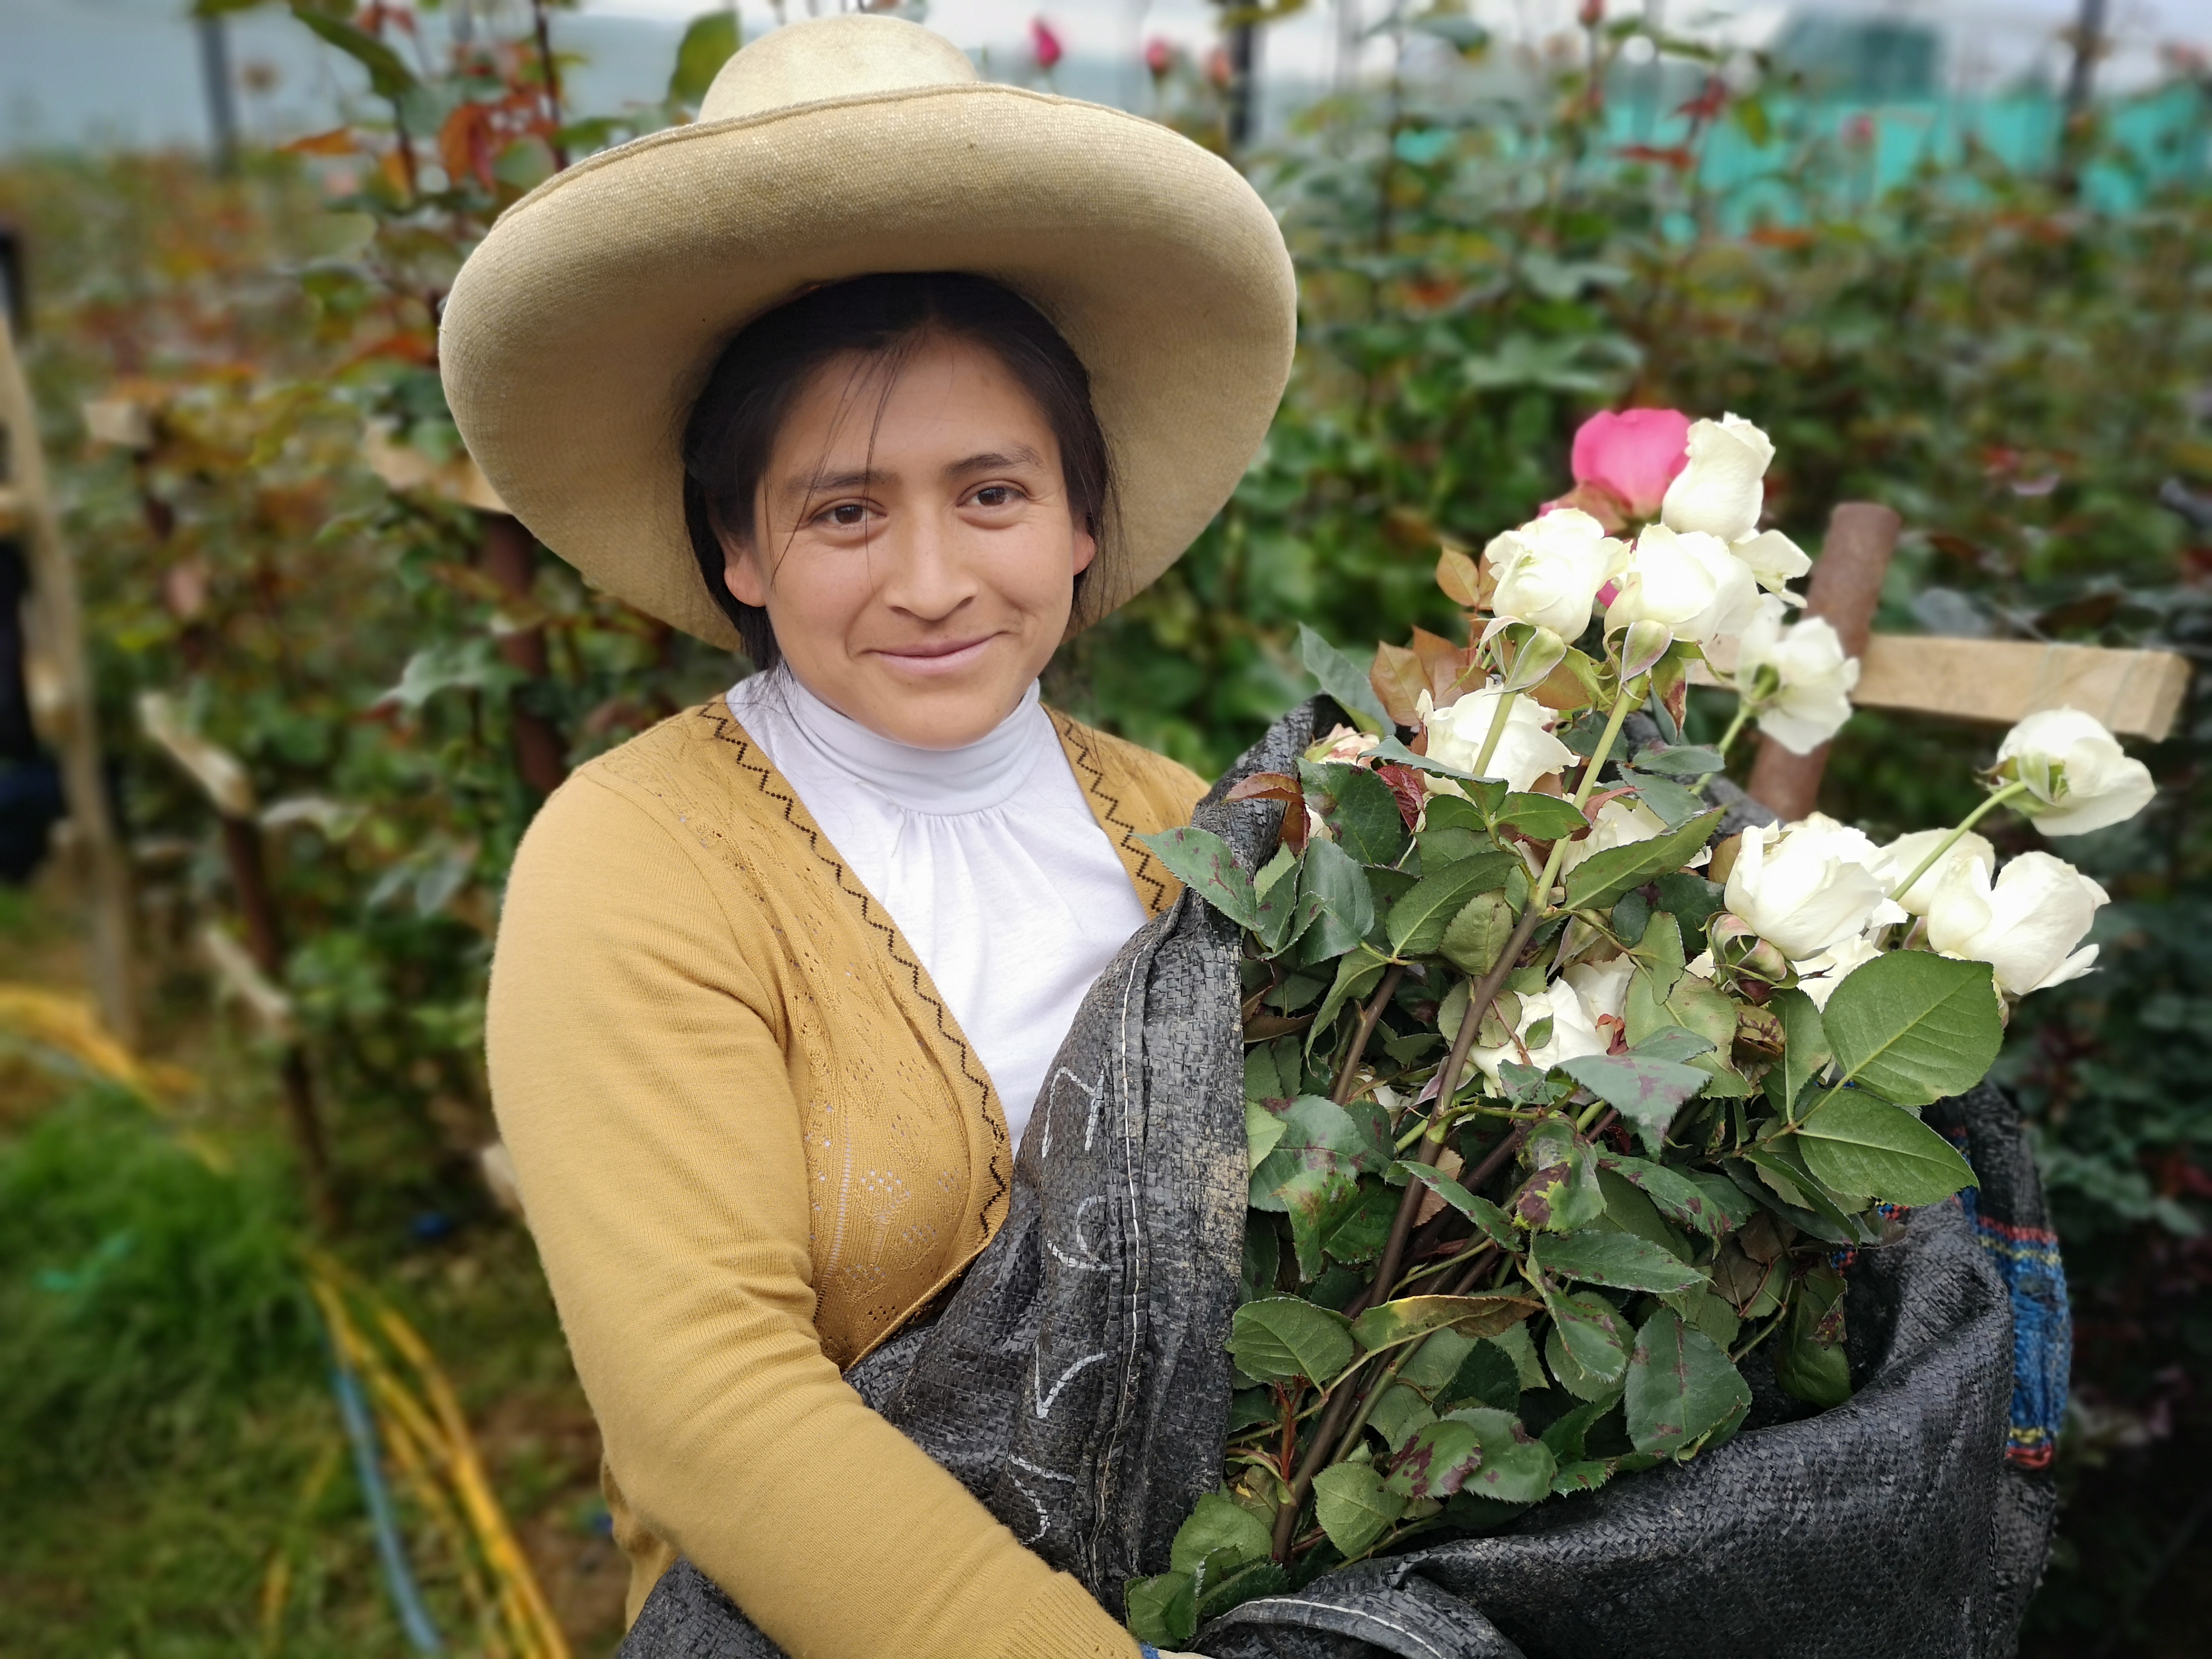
(265, 941)
(62, 696)
(1847, 581)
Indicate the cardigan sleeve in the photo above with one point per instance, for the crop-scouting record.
(639, 1078)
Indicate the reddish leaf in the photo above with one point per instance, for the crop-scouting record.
(1406, 786)
(1399, 681)
(1457, 575)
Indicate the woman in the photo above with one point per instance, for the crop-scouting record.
(777, 982)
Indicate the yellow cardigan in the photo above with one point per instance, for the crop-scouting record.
(752, 1141)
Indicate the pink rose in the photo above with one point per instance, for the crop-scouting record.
(1632, 456)
(1045, 43)
(1159, 57)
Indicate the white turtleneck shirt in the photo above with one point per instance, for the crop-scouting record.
(987, 858)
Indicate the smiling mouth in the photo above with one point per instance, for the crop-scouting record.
(937, 656)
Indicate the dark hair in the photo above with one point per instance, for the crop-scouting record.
(733, 426)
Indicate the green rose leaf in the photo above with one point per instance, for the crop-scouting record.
(1219, 1523)
(1162, 1610)
(1541, 818)
(1202, 861)
(1363, 1228)
(1391, 1323)
(1674, 1042)
(1478, 935)
(1487, 1376)
(1915, 1027)
(1810, 1362)
(1622, 1261)
(1437, 1461)
(1353, 1507)
(1588, 1347)
(1263, 1131)
(1516, 1467)
(1313, 1166)
(1855, 1144)
(1332, 891)
(1361, 809)
(1480, 1211)
(1674, 804)
(1417, 921)
(1220, 1590)
(1681, 1198)
(1681, 1387)
(1401, 1415)
(1686, 760)
(1806, 1053)
(1562, 1194)
(1281, 1337)
(1358, 973)
(1646, 1091)
(1602, 878)
(1344, 680)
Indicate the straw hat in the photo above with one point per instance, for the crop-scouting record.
(580, 332)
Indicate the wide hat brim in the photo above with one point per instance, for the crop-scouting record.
(580, 332)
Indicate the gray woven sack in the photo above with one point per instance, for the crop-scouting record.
(1077, 1384)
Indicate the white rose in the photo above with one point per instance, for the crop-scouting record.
(1526, 749)
(1343, 744)
(2025, 925)
(1775, 560)
(1602, 986)
(1691, 585)
(1818, 976)
(1573, 1032)
(2075, 769)
(1806, 889)
(1797, 679)
(1548, 571)
(1722, 489)
(1618, 824)
(1904, 855)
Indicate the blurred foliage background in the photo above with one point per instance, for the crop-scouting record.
(2018, 357)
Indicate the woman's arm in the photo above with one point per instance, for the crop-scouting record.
(642, 1089)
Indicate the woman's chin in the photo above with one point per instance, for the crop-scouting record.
(937, 709)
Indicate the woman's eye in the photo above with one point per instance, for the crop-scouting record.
(995, 495)
(846, 515)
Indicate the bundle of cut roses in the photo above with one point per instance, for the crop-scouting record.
(1561, 1106)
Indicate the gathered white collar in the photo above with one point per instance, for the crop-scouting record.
(938, 782)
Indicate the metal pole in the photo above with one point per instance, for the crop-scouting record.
(2088, 43)
(1243, 84)
(222, 99)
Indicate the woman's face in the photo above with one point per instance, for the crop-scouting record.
(918, 568)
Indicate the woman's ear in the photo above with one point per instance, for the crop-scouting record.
(741, 572)
(1086, 549)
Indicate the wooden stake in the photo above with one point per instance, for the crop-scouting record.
(1846, 586)
(62, 694)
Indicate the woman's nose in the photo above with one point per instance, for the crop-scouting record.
(925, 575)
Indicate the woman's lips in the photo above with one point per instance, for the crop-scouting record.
(936, 657)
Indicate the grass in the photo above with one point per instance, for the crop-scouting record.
(174, 1481)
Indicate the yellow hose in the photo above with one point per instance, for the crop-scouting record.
(429, 1437)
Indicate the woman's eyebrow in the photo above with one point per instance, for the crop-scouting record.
(995, 460)
(812, 486)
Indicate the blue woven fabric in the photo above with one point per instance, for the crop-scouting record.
(2027, 1259)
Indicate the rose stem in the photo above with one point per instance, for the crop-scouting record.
(1368, 1019)
(1497, 720)
(1735, 725)
(1478, 1004)
(1485, 992)
(1952, 840)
